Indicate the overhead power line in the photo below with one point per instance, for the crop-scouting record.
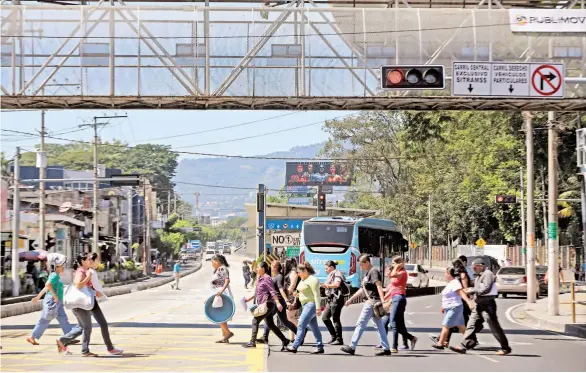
(197, 37)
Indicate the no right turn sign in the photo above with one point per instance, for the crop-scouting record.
(547, 80)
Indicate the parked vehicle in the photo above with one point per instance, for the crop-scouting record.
(417, 276)
(491, 263)
(541, 271)
(512, 280)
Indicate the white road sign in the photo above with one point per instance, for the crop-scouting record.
(470, 79)
(502, 79)
(510, 79)
(285, 239)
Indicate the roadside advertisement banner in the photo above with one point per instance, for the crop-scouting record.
(317, 173)
(548, 20)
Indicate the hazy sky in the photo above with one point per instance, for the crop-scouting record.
(144, 125)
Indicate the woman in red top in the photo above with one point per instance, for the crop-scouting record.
(397, 293)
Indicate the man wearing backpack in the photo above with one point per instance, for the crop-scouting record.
(335, 288)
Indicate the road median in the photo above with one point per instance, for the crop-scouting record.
(22, 308)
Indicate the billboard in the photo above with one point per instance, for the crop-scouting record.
(317, 173)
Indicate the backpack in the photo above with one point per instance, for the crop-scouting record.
(344, 288)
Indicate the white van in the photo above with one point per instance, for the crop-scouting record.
(208, 254)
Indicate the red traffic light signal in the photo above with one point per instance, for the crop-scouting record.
(321, 201)
(413, 77)
(505, 199)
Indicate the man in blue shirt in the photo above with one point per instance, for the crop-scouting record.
(177, 274)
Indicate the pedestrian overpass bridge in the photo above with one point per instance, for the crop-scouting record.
(293, 57)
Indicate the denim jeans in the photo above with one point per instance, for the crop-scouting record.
(398, 319)
(84, 318)
(308, 318)
(43, 323)
(365, 316)
(84, 326)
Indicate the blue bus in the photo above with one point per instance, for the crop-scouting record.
(344, 239)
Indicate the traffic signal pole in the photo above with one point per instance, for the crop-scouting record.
(553, 286)
(532, 285)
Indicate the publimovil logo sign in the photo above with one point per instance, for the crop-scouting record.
(548, 20)
(521, 20)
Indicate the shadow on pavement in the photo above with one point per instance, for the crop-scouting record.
(412, 329)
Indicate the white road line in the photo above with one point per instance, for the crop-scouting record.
(485, 357)
(409, 322)
(428, 306)
(512, 320)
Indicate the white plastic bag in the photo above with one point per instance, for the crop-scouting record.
(218, 302)
(243, 304)
(78, 298)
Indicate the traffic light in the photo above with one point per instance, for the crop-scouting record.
(321, 201)
(260, 202)
(49, 242)
(413, 77)
(505, 199)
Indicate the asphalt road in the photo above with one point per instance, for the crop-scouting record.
(533, 350)
(160, 329)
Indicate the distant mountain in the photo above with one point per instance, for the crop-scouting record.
(236, 172)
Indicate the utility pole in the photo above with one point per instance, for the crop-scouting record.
(523, 245)
(130, 198)
(429, 227)
(532, 286)
(544, 208)
(118, 207)
(95, 181)
(145, 222)
(553, 287)
(16, 224)
(261, 221)
(581, 153)
(150, 217)
(42, 164)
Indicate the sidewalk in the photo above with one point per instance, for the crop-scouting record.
(536, 315)
(26, 306)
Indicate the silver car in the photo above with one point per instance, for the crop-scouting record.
(513, 280)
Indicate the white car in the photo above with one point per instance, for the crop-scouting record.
(417, 276)
(209, 254)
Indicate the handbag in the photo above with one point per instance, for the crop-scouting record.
(378, 307)
(83, 298)
(260, 310)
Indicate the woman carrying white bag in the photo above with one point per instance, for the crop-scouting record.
(53, 302)
(81, 298)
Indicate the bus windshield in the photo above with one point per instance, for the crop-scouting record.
(331, 236)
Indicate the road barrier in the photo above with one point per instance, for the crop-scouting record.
(28, 307)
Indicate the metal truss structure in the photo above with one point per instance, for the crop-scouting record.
(295, 56)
